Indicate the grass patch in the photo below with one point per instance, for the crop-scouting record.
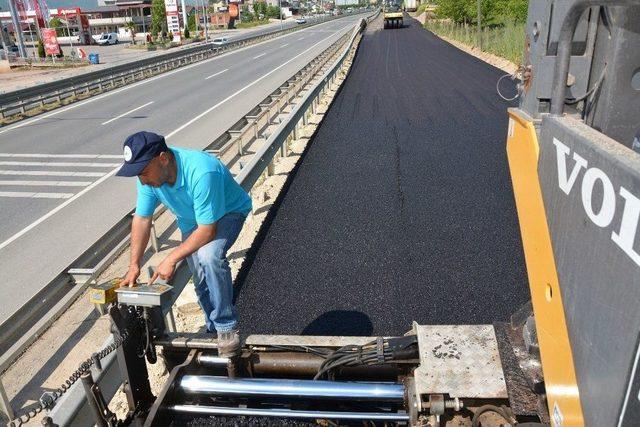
(506, 41)
(251, 24)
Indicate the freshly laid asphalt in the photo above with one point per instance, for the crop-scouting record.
(401, 209)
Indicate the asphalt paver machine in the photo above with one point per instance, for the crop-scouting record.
(568, 358)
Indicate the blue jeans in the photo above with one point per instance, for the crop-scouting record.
(212, 275)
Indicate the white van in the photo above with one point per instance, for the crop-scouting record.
(107, 38)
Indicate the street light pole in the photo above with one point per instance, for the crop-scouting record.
(66, 20)
(206, 27)
(184, 15)
(280, 9)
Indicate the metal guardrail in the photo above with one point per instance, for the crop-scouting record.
(71, 409)
(92, 83)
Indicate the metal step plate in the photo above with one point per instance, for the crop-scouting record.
(459, 360)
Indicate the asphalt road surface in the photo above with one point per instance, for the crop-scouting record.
(57, 189)
(401, 209)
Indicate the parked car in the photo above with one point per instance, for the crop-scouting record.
(301, 20)
(107, 38)
(220, 41)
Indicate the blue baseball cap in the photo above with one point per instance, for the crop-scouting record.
(139, 149)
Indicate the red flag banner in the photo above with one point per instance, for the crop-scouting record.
(51, 46)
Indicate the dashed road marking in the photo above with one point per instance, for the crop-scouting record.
(62, 164)
(63, 156)
(128, 112)
(216, 74)
(18, 194)
(51, 173)
(46, 183)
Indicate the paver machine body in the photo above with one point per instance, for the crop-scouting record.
(392, 13)
(576, 180)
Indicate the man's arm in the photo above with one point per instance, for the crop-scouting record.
(140, 232)
(200, 237)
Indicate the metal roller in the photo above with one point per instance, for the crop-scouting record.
(287, 413)
(223, 386)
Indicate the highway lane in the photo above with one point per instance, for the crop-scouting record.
(402, 207)
(40, 236)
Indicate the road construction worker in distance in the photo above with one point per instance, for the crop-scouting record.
(210, 208)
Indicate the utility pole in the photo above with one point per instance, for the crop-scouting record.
(184, 14)
(479, 25)
(206, 21)
(144, 24)
(66, 20)
(17, 26)
(280, 9)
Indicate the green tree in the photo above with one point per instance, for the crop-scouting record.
(260, 8)
(41, 52)
(186, 32)
(191, 22)
(131, 28)
(273, 12)
(158, 17)
(59, 26)
(494, 12)
(513, 10)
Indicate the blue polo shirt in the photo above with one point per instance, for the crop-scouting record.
(203, 193)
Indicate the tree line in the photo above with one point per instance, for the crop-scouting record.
(494, 12)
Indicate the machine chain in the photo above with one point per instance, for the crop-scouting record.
(48, 400)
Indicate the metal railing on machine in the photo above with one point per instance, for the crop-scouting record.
(72, 407)
(82, 86)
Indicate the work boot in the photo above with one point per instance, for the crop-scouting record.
(229, 343)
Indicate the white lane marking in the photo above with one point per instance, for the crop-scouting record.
(217, 74)
(62, 164)
(63, 156)
(285, 45)
(131, 86)
(128, 112)
(46, 183)
(56, 209)
(256, 81)
(18, 194)
(105, 177)
(260, 56)
(51, 173)
(301, 38)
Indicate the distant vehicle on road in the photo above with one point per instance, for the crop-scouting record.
(393, 15)
(410, 5)
(220, 41)
(107, 38)
(301, 20)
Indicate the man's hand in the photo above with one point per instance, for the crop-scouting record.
(165, 270)
(131, 277)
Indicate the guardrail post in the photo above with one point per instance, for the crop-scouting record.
(170, 321)
(5, 404)
(154, 238)
(296, 132)
(240, 148)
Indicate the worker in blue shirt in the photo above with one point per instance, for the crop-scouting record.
(210, 208)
